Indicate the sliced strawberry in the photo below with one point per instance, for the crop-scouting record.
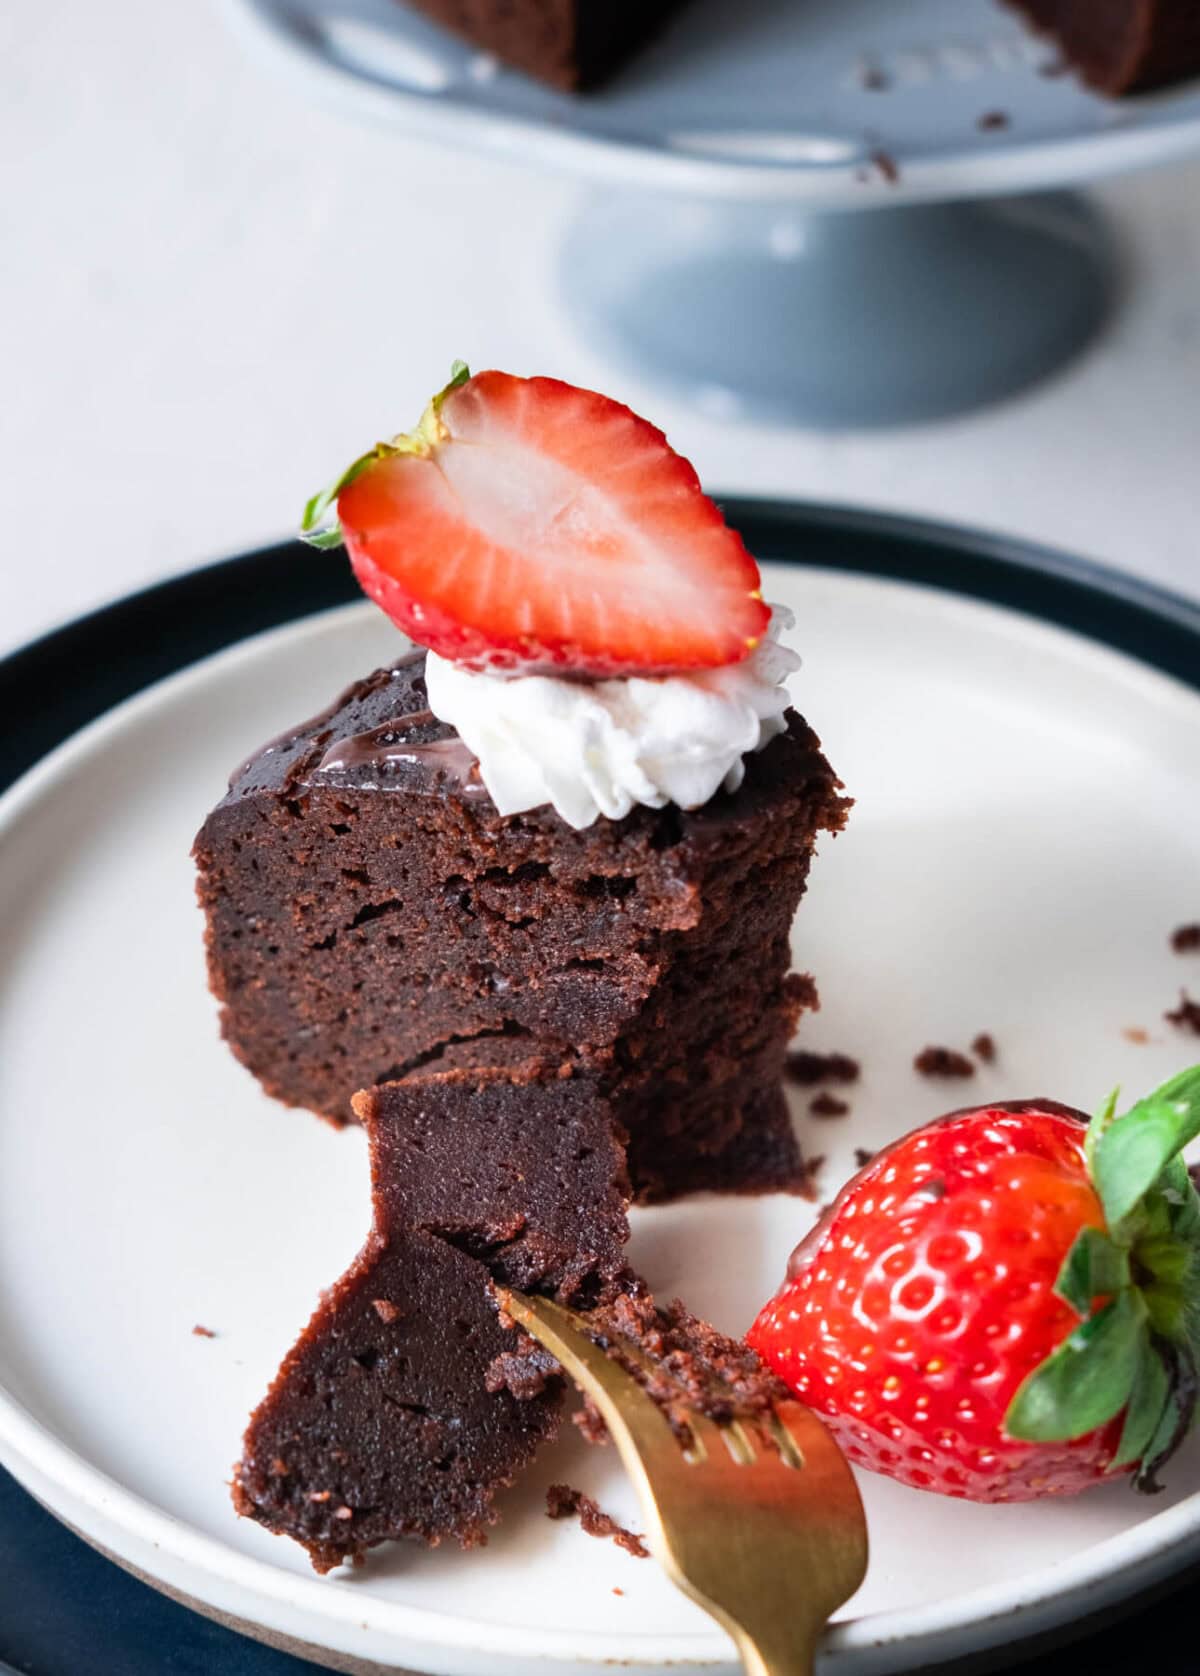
(530, 524)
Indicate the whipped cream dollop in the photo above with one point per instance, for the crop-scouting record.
(595, 748)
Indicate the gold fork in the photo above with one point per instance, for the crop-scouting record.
(768, 1537)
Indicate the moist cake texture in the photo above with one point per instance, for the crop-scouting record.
(1122, 46)
(380, 1423)
(368, 909)
(1118, 46)
(409, 1399)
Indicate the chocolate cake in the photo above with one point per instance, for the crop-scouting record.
(1117, 46)
(380, 1424)
(368, 909)
(409, 1401)
(1122, 46)
(572, 44)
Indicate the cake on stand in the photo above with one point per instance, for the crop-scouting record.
(836, 213)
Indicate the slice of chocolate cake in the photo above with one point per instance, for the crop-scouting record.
(573, 44)
(382, 1421)
(409, 1399)
(368, 909)
(1122, 46)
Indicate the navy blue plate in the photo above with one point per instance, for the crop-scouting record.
(66, 1611)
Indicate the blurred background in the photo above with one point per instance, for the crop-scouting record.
(217, 284)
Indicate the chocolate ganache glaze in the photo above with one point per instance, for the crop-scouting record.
(378, 734)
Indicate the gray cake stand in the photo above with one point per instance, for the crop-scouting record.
(722, 250)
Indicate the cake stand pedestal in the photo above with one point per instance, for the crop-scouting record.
(836, 319)
(841, 213)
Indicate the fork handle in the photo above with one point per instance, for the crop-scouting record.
(792, 1654)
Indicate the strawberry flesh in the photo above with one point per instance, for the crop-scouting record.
(548, 527)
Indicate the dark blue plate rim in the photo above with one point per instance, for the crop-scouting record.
(82, 669)
(64, 1608)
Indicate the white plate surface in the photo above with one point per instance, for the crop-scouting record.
(1025, 838)
(769, 98)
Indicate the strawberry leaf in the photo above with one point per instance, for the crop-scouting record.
(1087, 1380)
(1182, 1201)
(324, 540)
(1176, 1419)
(313, 528)
(1131, 1153)
(1094, 1268)
(1148, 1402)
(1099, 1124)
(460, 373)
(1170, 1433)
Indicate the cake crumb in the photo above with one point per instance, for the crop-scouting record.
(524, 1372)
(617, 1591)
(943, 1062)
(385, 1310)
(562, 1502)
(1185, 939)
(828, 1105)
(873, 79)
(1186, 1014)
(202, 1332)
(863, 1156)
(887, 166)
(1135, 1034)
(807, 1188)
(992, 121)
(984, 1048)
(805, 1069)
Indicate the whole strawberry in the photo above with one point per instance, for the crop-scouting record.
(529, 525)
(1006, 1303)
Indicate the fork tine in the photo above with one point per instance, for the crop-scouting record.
(771, 1558)
(830, 1476)
(636, 1423)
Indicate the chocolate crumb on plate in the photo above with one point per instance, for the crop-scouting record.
(943, 1062)
(1185, 939)
(828, 1105)
(202, 1332)
(873, 79)
(863, 1156)
(806, 1068)
(984, 1047)
(562, 1502)
(1186, 1014)
(1135, 1034)
(993, 121)
(887, 166)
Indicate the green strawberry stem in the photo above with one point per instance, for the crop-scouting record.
(317, 527)
(1136, 1286)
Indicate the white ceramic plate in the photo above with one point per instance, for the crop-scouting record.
(1025, 839)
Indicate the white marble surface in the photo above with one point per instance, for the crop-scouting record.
(212, 294)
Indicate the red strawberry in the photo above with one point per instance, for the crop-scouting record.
(528, 524)
(1006, 1303)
